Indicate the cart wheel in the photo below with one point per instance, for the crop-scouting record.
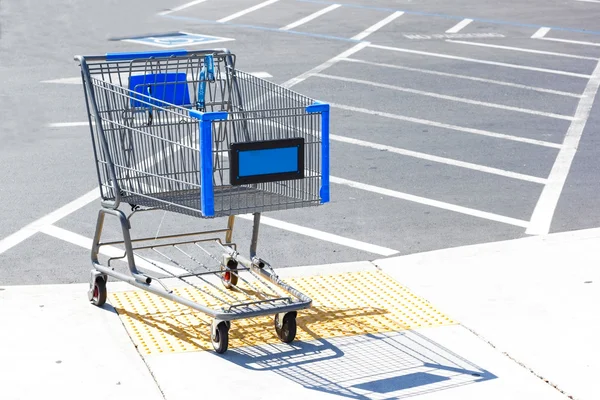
(220, 340)
(286, 330)
(99, 292)
(229, 278)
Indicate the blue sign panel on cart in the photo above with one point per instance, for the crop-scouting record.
(177, 39)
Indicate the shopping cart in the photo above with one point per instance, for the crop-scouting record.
(186, 132)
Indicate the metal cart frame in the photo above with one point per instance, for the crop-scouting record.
(206, 128)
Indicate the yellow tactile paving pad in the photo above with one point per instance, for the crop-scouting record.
(353, 303)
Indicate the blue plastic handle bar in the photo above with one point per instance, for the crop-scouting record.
(207, 194)
(201, 88)
(144, 54)
(210, 65)
(323, 108)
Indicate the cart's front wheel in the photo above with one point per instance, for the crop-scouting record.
(99, 291)
(220, 337)
(230, 276)
(286, 328)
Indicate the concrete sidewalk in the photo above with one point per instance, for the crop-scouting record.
(535, 299)
(525, 311)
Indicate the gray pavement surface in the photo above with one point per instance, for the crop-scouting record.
(44, 168)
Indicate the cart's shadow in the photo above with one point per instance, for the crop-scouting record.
(361, 366)
(390, 365)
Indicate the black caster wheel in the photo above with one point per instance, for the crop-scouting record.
(220, 339)
(98, 297)
(230, 278)
(286, 329)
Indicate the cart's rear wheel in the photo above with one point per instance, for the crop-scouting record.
(99, 291)
(230, 277)
(286, 329)
(220, 339)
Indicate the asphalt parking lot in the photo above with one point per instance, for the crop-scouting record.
(446, 130)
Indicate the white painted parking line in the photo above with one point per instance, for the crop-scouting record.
(544, 210)
(439, 36)
(466, 77)
(325, 65)
(458, 27)
(419, 155)
(540, 33)
(325, 236)
(181, 7)
(76, 204)
(589, 1)
(261, 74)
(437, 159)
(68, 124)
(34, 227)
(378, 26)
(310, 17)
(486, 62)
(448, 126)
(65, 81)
(430, 202)
(523, 50)
(571, 41)
(247, 10)
(450, 98)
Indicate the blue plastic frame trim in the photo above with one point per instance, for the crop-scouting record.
(323, 108)
(207, 194)
(144, 54)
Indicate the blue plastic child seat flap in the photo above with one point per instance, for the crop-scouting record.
(163, 88)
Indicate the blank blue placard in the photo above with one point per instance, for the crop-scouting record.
(268, 161)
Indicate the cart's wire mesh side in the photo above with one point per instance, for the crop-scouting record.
(143, 132)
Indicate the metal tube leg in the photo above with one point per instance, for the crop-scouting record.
(254, 241)
(97, 237)
(229, 233)
(126, 241)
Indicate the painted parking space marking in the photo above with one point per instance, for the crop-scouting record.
(177, 39)
(448, 126)
(478, 61)
(69, 124)
(310, 17)
(56, 215)
(458, 27)
(449, 98)
(438, 159)
(182, 7)
(540, 33)
(523, 50)
(327, 64)
(465, 77)
(325, 236)
(431, 203)
(247, 10)
(378, 26)
(443, 36)
(544, 209)
(579, 42)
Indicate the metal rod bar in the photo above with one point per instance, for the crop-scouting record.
(217, 314)
(167, 237)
